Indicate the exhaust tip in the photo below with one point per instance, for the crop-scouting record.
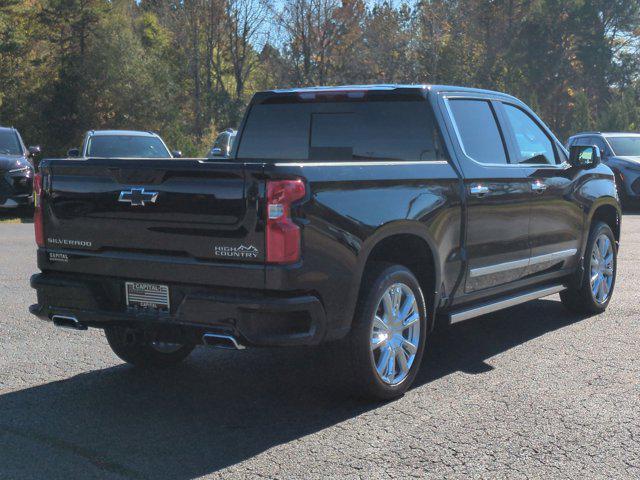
(219, 340)
(64, 321)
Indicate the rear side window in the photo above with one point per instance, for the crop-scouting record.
(341, 131)
(478, 129)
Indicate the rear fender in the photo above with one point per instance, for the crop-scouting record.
(399, 228)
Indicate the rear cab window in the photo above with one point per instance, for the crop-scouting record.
(365, 126)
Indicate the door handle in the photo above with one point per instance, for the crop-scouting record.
(538, 187)
(479, 190)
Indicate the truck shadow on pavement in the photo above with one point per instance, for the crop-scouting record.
(219, 408)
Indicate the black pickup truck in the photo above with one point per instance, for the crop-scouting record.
(352, 216)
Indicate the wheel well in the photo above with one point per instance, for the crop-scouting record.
(412, 252)
(609, 215)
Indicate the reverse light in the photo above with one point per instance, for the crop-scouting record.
(38, 220)
(282, 234)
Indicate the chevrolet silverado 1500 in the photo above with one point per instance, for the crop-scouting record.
(351, 216)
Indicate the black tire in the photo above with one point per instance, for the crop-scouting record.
(132, 347)
(580, 298)
(355, 351)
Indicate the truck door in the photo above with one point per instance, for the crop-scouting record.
(557, 221)
(498, 195)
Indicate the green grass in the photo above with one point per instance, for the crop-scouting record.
(10, 220)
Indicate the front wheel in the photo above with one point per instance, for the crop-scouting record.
(132, 347)
(600, 266)
(385, 346)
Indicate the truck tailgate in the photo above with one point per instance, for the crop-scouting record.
(110, 215)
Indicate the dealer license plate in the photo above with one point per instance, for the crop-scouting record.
(147, 295)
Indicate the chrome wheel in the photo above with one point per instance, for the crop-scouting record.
(395, 334)
(166, 347)
(602, 269)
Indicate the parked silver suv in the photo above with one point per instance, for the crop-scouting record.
(621, 153)
(123, 144)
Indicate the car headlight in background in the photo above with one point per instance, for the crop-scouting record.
(20, 178)
(19, 171)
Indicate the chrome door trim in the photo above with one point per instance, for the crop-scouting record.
(525, 262)
(550, 257)
(500, 267)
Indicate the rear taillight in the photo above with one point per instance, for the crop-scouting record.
(283, 235)
(37, 209)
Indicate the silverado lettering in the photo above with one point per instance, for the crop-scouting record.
(68, 243)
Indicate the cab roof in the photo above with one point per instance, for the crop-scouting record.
(386, 87)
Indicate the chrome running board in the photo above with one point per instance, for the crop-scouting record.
(502, 303)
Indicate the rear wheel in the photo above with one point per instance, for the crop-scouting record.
(600, 265)
(132, 347)
(385, 347)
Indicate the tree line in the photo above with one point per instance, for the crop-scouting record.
(187, 68)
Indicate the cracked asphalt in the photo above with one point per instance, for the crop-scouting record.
(530, 392)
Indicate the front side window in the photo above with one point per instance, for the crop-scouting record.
(625, 146)
(9, 144)
(341, 131)
(478, 129)
(126, 146)
(533, 144)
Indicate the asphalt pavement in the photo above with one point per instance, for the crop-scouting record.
(529, 392)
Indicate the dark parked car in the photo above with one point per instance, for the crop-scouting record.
(621, 153)
(223, 144)
(16, 170)
(123, 144)
(351, 217)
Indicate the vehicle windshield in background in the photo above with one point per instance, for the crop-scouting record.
(126, 146)
(9, 144)
(625, 146)
(340, 131)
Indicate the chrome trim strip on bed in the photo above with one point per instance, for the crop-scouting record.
(503, 267)
(504, 303)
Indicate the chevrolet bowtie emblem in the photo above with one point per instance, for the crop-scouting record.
(137, 197)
